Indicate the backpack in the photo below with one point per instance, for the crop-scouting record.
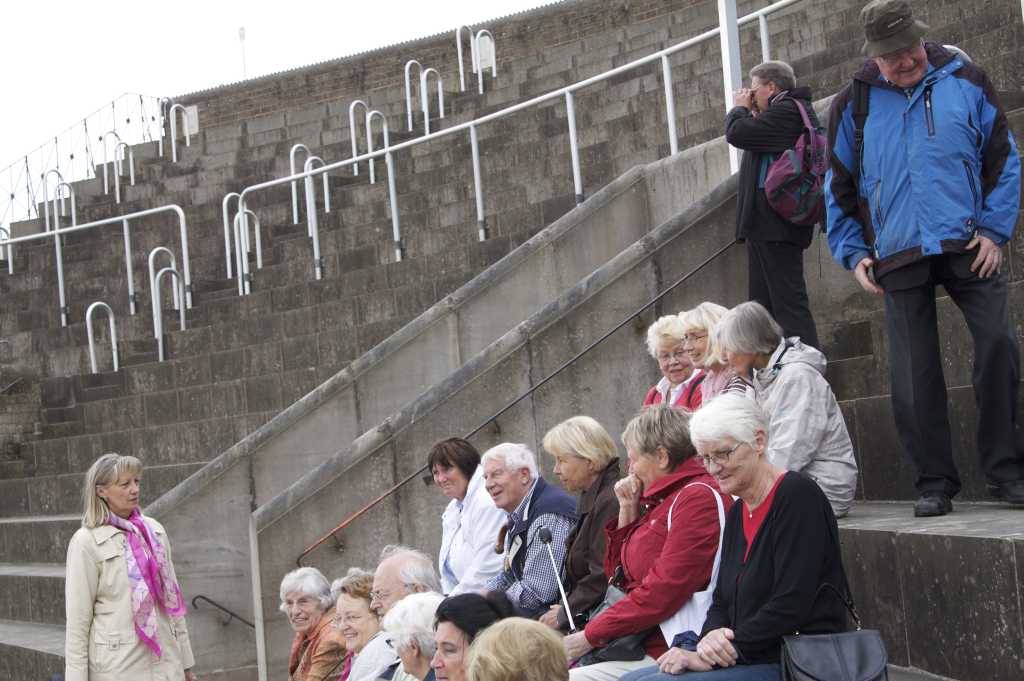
(795, 184)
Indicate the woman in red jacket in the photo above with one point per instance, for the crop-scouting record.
(662, 549)
(680, 380)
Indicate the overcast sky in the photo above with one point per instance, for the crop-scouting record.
(63, 60)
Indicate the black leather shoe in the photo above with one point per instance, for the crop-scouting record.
(1010, 492)
(932, 504)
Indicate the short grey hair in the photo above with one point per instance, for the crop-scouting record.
(669, 327)
(749, 327)
(778, 72)
(310, 582)
(729, 415)
(416, 571)
(412, 620)
(660, 425)
(514, 455)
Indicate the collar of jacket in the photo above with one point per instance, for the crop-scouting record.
(605, 479)
(104, 532)
(670, 482)
(802, 93)
(941, 60)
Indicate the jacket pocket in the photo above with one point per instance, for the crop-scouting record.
(972, 184)
(876, 215)
(928, 115)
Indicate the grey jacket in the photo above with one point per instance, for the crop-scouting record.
(807, 431)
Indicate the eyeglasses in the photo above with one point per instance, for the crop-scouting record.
(719, 457)
(675, 354)
(694, 337)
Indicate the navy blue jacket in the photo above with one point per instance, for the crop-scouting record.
(546, 499)
(939, 165)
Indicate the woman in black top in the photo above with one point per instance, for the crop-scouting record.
(781, 545)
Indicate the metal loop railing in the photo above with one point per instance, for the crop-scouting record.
(312, 224)
(10, 253)
(106, 165)
(458, 51)
(158, 321)
(58, 196)
(352, 128)
(408, 91)
(227, 229)
(425, 96)
(152, 281)
(46, 198)
(231, 615)
(479, 53)
(100, 305)
(295, 183)
(242, 248)
(370, 116)
(174, 130)
(165, 102)
(565, 365)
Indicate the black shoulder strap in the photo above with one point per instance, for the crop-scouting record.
(693, 385)
(861, 99)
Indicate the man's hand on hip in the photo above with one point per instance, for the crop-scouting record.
(989, 259)
(863, 276)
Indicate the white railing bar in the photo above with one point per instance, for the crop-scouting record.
(241, 256)
(574, 147)
(370, 115)
(408, 93)
(732, 75)
(478, 188)
(295, 186)
(312, 222)
(479, 62)
(670, 106)
(106, 169)
(46, 198)
(554, 94)
(10, 253)
(227, 229)
(152, 281)
(164, 103)
(352, 129)
(131, 161)
(174, 130)
(246, 214)
(100, 305)
(71, 194)
(472, 54)
(158, 317)
(766, 41)
(396, 229)
(425, 96)
(128, 266)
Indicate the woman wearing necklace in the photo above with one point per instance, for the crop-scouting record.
(125, 611)
(781, 546)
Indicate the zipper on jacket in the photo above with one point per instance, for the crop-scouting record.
(878, 218)
(928, 111)
(970, 181)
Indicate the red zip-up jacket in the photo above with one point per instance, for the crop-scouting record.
(662, 569)
(689, 398)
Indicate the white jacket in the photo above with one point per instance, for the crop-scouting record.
(101, 643)
(469, 531)
(807, 432)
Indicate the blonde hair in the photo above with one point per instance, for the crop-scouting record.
(705, 316)
(104, 471)
(584, 437)
(669, 327)
(517, 649)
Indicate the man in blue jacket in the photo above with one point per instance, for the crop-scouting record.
(927, 196)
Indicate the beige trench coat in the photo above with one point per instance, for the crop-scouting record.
(101, 643)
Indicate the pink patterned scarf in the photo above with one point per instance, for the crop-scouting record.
(150, 575)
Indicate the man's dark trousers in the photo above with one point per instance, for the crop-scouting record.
(776, 280)
(915, 369)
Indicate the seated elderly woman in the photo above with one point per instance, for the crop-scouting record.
(368, 651)
(459, 619)
(517, 649)
(410, 630)
(318, 650)
(587, 463)
(661, 551)
(469, 523)
(700, 341)
(807, 429)
(781, 537)
(680, 380)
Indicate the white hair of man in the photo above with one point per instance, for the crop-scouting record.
(728, 416)
(514, 455)
(748, 327)
(412, 620)
(352, 575)
(670, 327)
(309, 582)
(416, 570)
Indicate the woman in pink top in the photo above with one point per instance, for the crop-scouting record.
(700, 341)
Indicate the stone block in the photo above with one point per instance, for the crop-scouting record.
(226, 366)
(190, 371)
(263, 393)
(147, 378)
(162, 408)
(227, 399)
(299, 352)
(261, 359)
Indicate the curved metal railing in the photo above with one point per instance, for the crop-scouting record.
(231, 614)
(158, 322)
(100, 305)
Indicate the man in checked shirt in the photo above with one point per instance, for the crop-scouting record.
(514, 483)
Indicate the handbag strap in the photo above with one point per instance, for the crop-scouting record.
(721, 524)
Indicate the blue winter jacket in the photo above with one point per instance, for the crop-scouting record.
(939, 165)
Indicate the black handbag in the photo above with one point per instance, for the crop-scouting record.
(628, 648)
(848, 656)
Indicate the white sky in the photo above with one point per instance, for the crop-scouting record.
(63, 60)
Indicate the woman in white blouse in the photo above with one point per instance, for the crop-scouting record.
(471, 521)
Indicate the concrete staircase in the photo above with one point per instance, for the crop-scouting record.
(243, 361)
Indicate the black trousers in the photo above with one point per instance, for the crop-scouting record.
(776, 280)
(915, 369)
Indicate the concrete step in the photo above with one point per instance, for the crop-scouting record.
(30, 652)
(37, 539)
(32, 592)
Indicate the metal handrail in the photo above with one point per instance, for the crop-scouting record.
(241, 224)
(408, 93)
(479, 65)
(472, 54)
(10, 252)
(312, 224)
(295, 185)
(152, 282)
(164, 103)
(46, 197)
(425, 96)
(71, 195)
(157, 307)
(174, 130)
(100, 305)
(565, 365)
(200, 597)
(106, 165)
(124, 219)
(370, 116)
(565, 92)
(227, 228)
(352, 129)
(126, 149)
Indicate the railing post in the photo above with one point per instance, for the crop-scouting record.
(670, 105)
(370, 115)
(58, 253)
(99, 304)
(174, 130)
(46, 198)
(295, 184)
(396, 229)
(478, 189)
(472, 54)
(732, 76)
(158, 319)
(71, 194)
(766, 41)
(479, 58)
(128, 266)
(425, 96)
(10, 253)
(186, 268)
(152, 282)
(241, 257)
(227, 229)
(164, 102)
(574, 150)
(408, 92)
(352, 129)
(312, 223)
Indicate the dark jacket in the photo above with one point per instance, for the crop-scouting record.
(546, 499)
(762, 139)
(584, 563)
(773, 594)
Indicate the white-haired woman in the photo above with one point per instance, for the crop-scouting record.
(680, 379)
(808, 432)
(125, 611)
(318, 649)
(701, 342)
(409, 626)
(587, 463)
(781, 546)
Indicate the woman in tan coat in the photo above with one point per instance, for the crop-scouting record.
(318, 649)
(125, 611)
